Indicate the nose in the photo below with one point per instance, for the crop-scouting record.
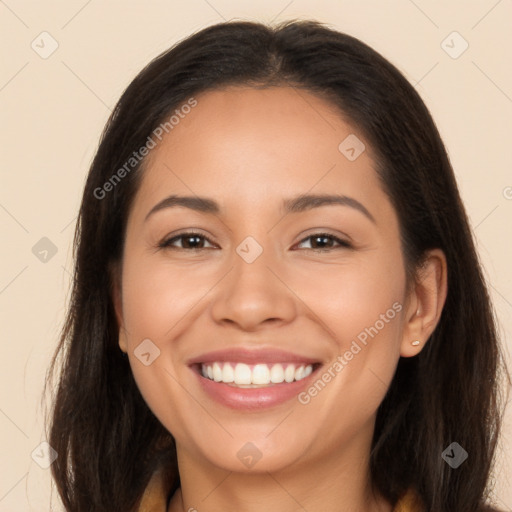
(254, 294)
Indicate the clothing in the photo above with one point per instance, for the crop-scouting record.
(155, 499)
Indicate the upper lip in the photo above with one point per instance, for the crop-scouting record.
(252, 356)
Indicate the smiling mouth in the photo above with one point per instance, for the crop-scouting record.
(259, 375)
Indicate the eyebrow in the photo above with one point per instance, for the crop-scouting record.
(296, 204)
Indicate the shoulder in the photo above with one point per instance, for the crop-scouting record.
(154, 498)
(411, 502)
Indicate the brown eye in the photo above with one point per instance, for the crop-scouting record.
(190, 241)
(325, 241)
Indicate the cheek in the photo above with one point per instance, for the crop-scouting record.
(360, 306)
(160, 302)
(158, 296)
(169, 401)
(352, 297)
(363, 313)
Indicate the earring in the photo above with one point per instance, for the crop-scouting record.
(415, 343)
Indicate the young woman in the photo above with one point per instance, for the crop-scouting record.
(277, 302)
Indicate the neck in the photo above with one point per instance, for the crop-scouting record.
(332, 482)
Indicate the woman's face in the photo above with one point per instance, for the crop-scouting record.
(270, 281)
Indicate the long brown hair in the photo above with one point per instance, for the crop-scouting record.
(110, 443)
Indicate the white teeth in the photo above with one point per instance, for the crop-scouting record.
(289, 373)
(299, 373)
(228, 374)
(217, 372)
(260, 374)
(277, 374)
(243, 375)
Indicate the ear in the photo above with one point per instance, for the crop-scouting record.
(115, 273)
(425, 303)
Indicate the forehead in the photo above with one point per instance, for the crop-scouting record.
(237, 118)
(245, 145)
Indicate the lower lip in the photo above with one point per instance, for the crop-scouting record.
(253, 398)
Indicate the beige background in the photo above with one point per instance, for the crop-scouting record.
(54, 109)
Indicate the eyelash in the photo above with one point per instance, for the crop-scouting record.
(166, 244)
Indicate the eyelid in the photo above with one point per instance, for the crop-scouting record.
(166, 242)
(325, 231)
(342, 241)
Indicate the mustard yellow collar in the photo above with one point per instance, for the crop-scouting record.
(154, 498)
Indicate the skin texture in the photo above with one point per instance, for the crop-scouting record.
(249, 149)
